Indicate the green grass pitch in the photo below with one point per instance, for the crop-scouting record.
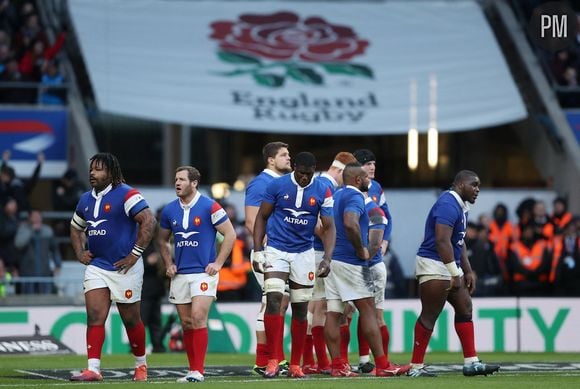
(12, 377)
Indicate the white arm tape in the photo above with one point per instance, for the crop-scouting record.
(453, 269)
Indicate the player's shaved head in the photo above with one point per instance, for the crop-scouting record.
(351, 172)
(464, 175)
(305, 159)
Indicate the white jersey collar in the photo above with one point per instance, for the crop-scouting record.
(191, 203)
(328, 176)
(272, 173)
(355, 188)
(462, 203)
(103, 192)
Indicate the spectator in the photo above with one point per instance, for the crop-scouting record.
(152, 294)
(12, 186)
(541, 221)
(8, 226)
(68, 191)
(51, 77)
(40, 256)
(565, 274)
(396, 287)
(15, 94)
(484, 261)
(524, 212)
(5, 280)
(560, 215)
(530, 263)
(501, 236)
(34, 59)
(234, 273)
(29, 31)
(562, 61)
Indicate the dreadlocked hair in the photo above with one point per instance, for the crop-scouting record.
(111, 163)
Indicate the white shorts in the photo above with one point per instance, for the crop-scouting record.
(300, 266)
(124, 288)
(318, 293)
(184, 287)
(348, 282)
(427, 269)
(379, 272)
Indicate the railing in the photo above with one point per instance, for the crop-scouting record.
(32, 92)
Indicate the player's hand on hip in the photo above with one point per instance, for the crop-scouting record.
(323, 268)
(125, 264)
(258, 259)
(212, 269)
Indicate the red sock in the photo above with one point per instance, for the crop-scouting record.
(466, 337)
(136, 335)
(385, 336)
(200, 339)
(363, 345)
(272, 325)
(381, 362)
(298, 330)
(262, 354)
(95, 340)
(422, 336)
(338, 363)
(344, 341)
(308, 353)
(281, 356)
(320, 346)
(188, 345)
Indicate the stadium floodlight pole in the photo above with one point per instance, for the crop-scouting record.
(413, 135)
(432, 134)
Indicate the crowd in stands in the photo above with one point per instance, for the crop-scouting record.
(539, 255)
(29, 69)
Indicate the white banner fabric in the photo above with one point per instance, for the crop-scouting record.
(312, 67)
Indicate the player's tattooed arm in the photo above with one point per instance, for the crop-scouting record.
(147, 224)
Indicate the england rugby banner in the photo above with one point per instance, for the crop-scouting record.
(296, 67)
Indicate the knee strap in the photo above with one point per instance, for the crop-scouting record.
(300, 295)
(274, 285)
(335, 306)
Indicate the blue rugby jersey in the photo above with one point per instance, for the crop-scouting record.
(107, 219)
(380, 222)
(332, 185)
(378, 196)
(257, 187)
(349, 199)
(194, 231)
(450, 210)
(291, 225)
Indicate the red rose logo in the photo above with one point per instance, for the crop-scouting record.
(289, 41)
(311, 276)
(203, 286)
(128, 293)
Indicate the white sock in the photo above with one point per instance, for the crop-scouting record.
(362, 359)
(141, 360)
(95, 365)
(470, 360)
(417, 365)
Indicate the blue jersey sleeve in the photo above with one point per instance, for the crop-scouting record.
(253, 194)
(444, 213)
(270, 193)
